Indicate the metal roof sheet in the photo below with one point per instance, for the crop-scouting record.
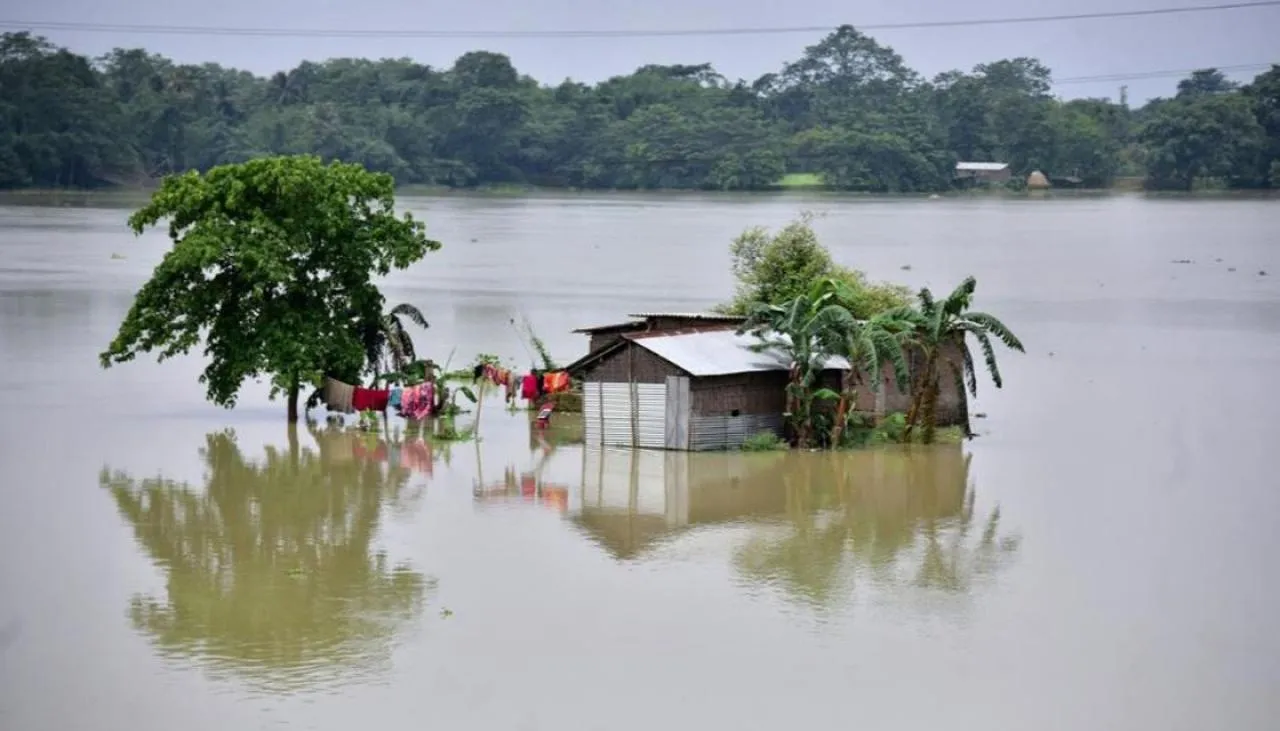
(689, 316)
(613, 326)
(718, 353)
(982, 166)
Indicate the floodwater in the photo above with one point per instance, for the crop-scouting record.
(1101, 557)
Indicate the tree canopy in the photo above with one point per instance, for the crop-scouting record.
(272, 269)
(848, 110)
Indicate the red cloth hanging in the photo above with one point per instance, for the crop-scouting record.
(529, 387)
(370, 399)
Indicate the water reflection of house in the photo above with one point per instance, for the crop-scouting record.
(803, 520)
(633, 499)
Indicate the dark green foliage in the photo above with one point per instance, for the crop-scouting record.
(271, 268)
(848, 110)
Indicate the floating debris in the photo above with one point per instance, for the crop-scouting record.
(1231, 269)
(1262, 272)
(117, 256)
(905, 267)
(446, 613)
(1181, 261)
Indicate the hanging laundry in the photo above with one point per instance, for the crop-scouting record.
(370, 399)
(529, 387)
(394, 399)
(337, 395)
(556, 382)
(478, 372)
(417, 402)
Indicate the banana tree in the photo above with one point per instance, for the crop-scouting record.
(800, 332)
(868, 345)
(389, 347)
(936, 325)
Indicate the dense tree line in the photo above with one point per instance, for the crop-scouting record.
(848, 110)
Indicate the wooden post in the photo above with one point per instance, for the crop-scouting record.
(475, 428)
(632, 396)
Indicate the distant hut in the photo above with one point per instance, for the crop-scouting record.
(1037, 181)
(983, 172)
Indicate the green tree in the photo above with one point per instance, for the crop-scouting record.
(271, 266)
(1264, 93)
(848, 109)
(938, 326)
(775, 269)
(1201, 135)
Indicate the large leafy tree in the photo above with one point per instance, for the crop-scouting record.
(939, 325)
(272, 269)
(1208, 130)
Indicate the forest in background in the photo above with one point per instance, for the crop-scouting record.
(848, 112)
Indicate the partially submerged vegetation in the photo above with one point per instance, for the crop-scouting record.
(272, 268)
(808, 310)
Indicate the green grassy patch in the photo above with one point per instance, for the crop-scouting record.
(801, 181)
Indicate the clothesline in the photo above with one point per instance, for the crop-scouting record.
(412, 402)
(530, 386)
(418, 402)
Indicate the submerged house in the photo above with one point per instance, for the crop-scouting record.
(691, 383)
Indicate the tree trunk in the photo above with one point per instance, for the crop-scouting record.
(847, 397)
(294, 449)
(917, 397)
(293, 401)
(930, 415)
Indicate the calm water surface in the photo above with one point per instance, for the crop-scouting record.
(1102, 557)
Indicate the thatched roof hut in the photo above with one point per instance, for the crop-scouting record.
(1037, 181)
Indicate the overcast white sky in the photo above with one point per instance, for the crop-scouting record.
(1071, 49)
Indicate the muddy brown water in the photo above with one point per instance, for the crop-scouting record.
(1101, 557)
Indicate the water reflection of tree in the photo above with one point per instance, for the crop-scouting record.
(269, 567)
(887, 517)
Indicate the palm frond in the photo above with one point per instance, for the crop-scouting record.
(412, 314)
(994, 326)
(989, 355)
(889, 347)
(927, 305)
(961, 297)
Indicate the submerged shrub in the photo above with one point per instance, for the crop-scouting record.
(765, 441)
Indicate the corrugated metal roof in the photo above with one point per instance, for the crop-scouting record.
(613, 326)
(689, 316)
(982, 166)
(718, 353)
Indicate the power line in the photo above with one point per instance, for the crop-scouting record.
(1138, 75)
(604, 33)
